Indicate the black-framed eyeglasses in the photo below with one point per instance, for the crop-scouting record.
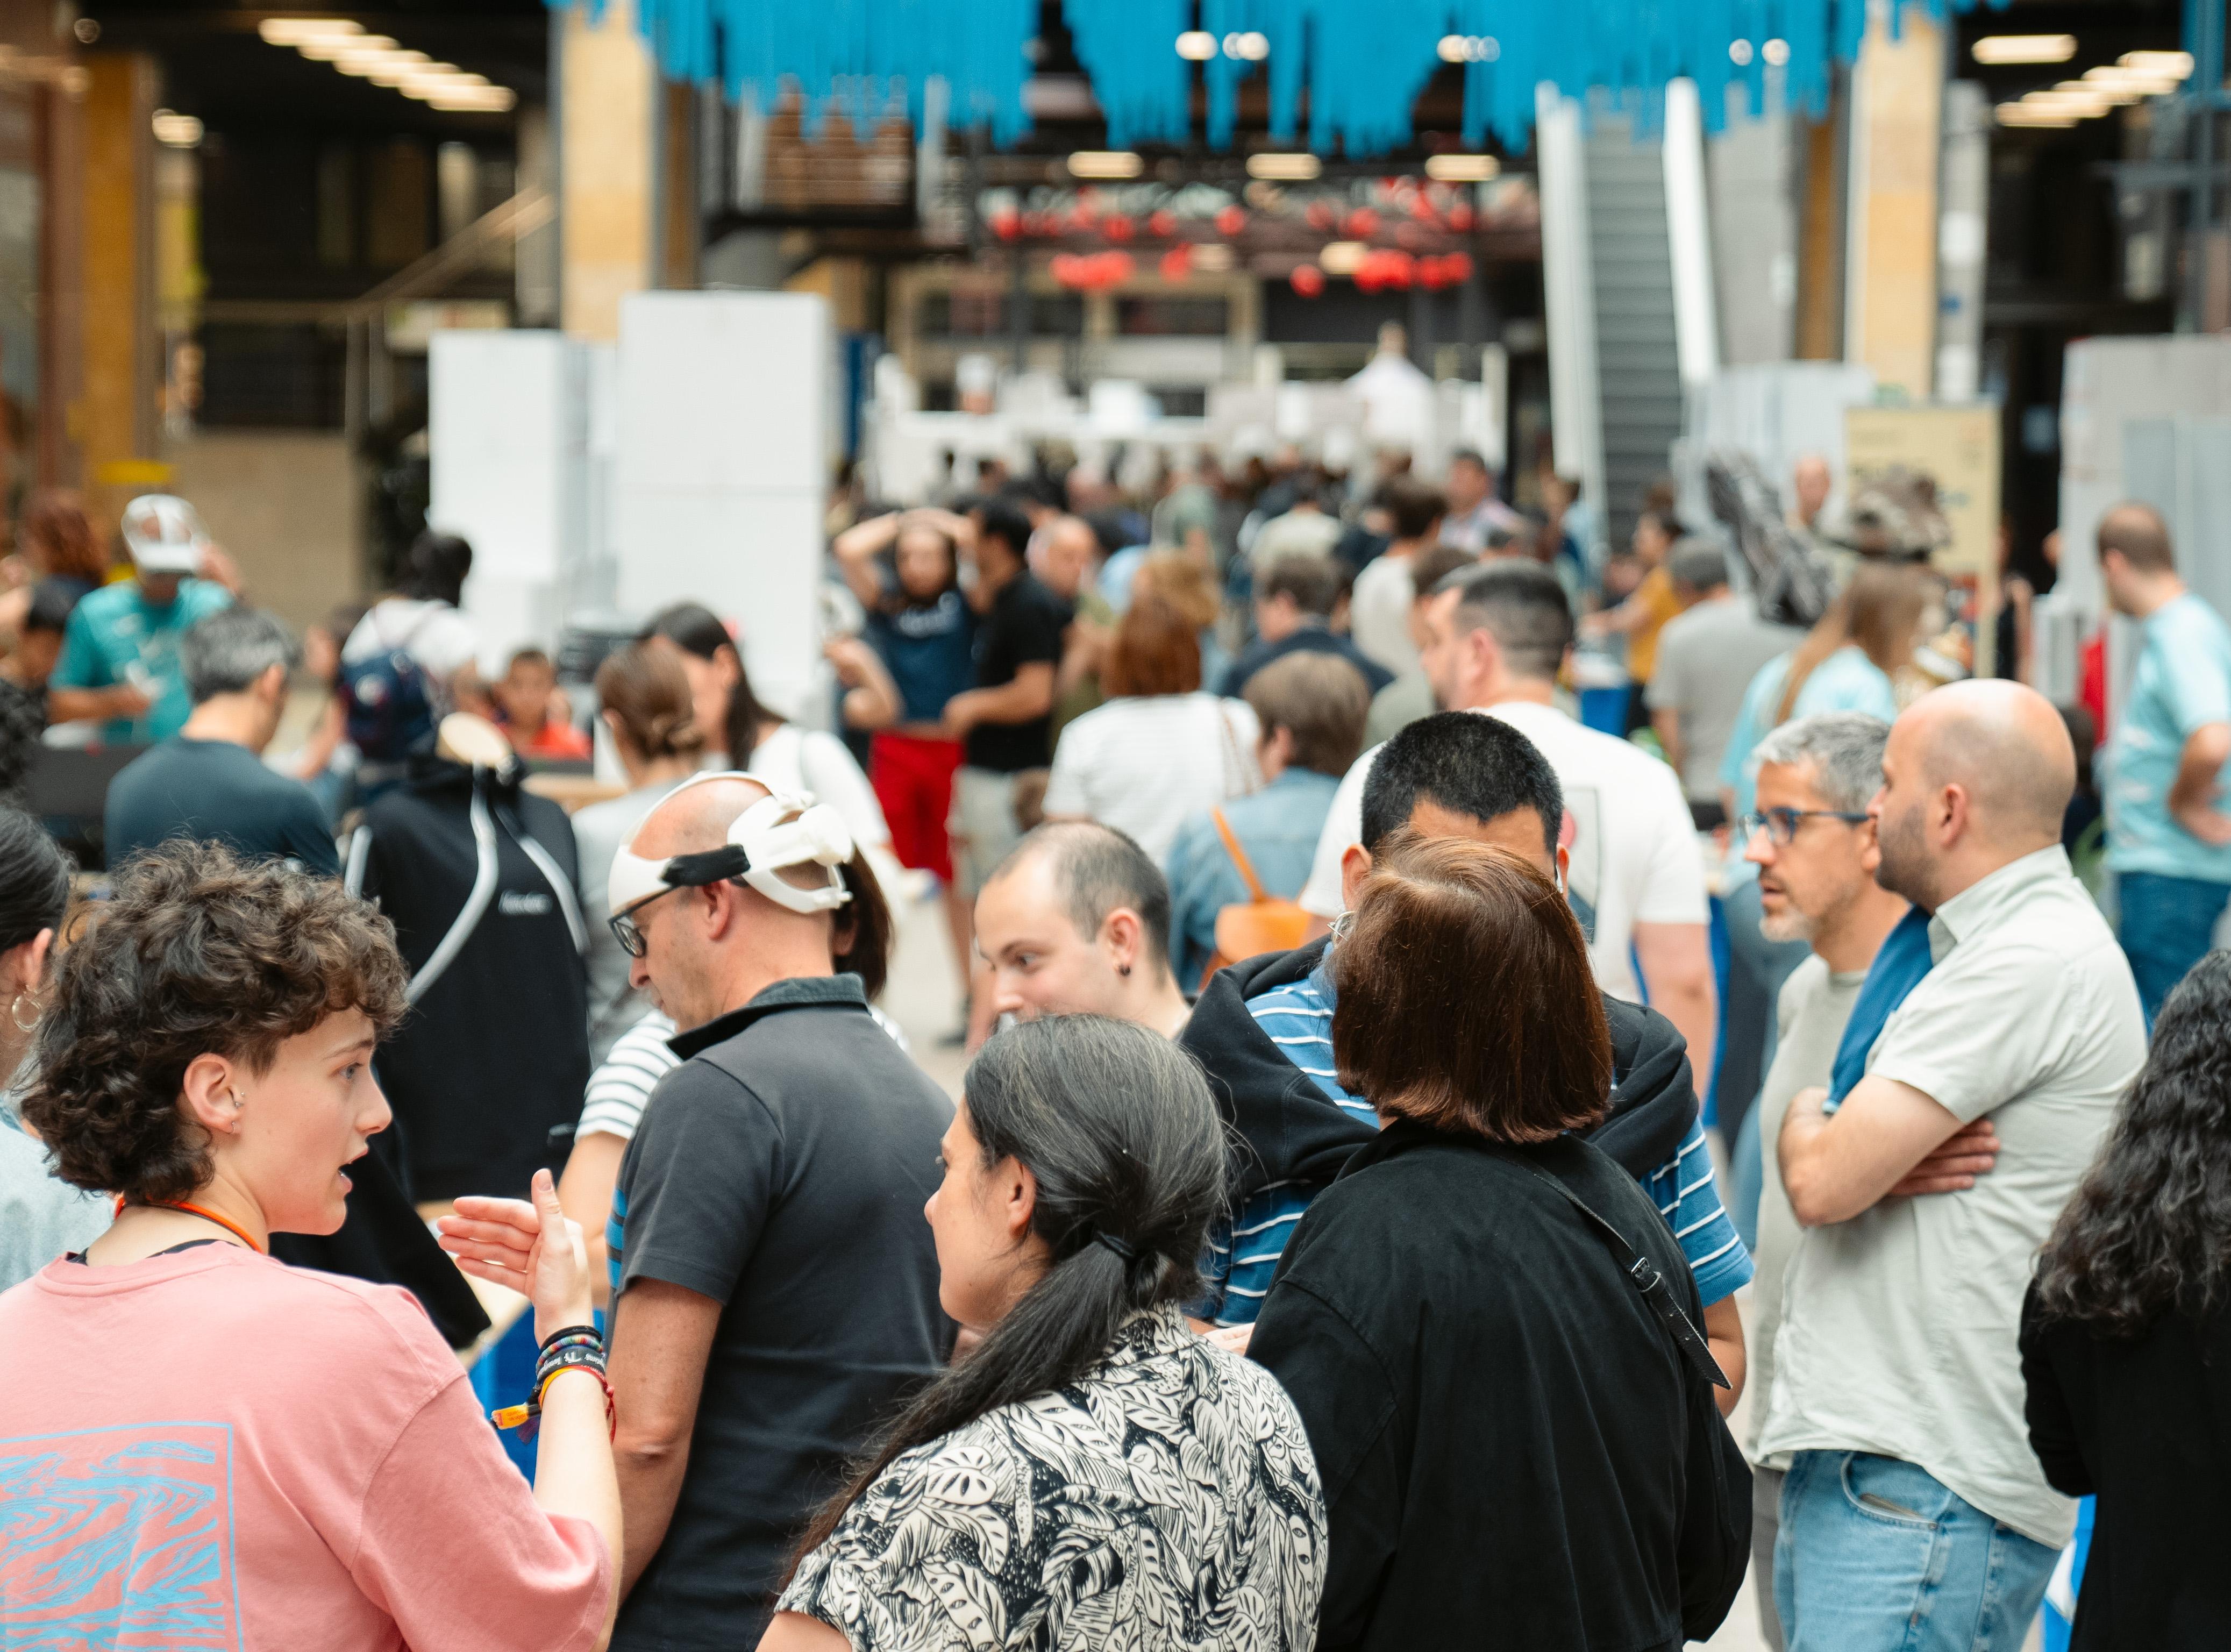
(1779, 824)
(627, 931)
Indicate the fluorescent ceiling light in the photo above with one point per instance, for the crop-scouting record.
(1211, 257)
(1776, 52)
(1342, 257)
(493, 100)
(1289, 169)
(178, 130)
(2175, 63)
(340, 46)
(1461, 169)
(1196, 45)
(2025, 48)
(1105, 163)
(292, 31)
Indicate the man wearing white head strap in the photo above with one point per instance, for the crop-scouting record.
(774, 1289)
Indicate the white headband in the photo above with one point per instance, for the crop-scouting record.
(761, 843)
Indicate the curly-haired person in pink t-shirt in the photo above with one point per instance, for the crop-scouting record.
(203, 1447)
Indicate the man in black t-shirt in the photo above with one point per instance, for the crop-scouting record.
(207, 780)
(1005, 723)
(774, 1283)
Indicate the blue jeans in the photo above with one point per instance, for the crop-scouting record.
(2167, 925)
(1877, 1555)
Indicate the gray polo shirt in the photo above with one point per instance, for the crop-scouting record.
(1706, 658)
(1897, 1336)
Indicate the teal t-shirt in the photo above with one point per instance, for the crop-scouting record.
(2183, 684)
(1846, 681)
(117, 636)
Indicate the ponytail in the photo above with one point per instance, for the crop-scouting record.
(1117, 1127)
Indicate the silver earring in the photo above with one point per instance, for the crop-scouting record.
(16, 1012)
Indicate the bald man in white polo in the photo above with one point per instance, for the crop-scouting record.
(1915, 1515)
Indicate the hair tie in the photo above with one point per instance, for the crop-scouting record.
(1122, 1247)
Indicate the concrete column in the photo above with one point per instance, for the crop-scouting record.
(607, 169)
(116, 414)
(1889, 292)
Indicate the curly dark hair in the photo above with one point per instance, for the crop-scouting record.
(2149, 1231)
(199, 953)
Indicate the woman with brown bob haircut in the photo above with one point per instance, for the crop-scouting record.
(215, 1446)
(1489, 1331)
(1160, 749)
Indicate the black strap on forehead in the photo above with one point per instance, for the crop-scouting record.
(706, 866)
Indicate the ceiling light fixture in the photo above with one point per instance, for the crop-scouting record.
(292, 31)
(2176, 64)
(1105, 163)
(333, 49)
(384, 61)
(1285, 169)
(176, 130)
(1342, 257)
(2025, 48)
(1196, 45)
(1461, 169)
(2017, 114)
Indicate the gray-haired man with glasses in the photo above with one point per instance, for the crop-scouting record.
(1815, 852)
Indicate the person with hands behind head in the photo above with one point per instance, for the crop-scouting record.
(286, 1457)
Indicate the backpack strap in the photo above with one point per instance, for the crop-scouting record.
(1657, 1293)
(1247, 869)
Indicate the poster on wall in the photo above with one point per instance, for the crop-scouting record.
(1958, 448)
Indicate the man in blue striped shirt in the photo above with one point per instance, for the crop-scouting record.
(1263, 1029)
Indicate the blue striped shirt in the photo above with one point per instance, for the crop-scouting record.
(1242, 1257)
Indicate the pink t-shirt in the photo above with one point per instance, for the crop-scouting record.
(213, 1450)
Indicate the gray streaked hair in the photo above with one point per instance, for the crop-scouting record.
(226, 651)
(1845, 749)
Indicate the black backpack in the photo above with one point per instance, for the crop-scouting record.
(388, 699)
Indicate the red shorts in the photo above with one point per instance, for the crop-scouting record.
(912, 778)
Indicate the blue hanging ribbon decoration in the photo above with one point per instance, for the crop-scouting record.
(1362, 63)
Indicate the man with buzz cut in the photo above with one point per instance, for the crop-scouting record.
(1262, 1030)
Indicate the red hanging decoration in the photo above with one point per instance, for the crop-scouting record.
(1231, 221)
(1117, 227)
(1363, 224)
(1458, 267)
(1161, 223)
(1461, 216)
(1177, 263)
(1322, 215)
(1006, 224)
(1308, 279)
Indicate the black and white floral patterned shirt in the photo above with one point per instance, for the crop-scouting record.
(1166, 1500)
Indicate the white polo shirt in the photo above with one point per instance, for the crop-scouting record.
(1898, 1327)
(1634, 856)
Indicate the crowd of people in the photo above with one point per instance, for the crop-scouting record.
(1327, 1245)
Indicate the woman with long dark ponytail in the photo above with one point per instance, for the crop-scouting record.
(1093, 1463)
(2126, 1341)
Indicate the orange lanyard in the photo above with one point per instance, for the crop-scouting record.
(224, 1222)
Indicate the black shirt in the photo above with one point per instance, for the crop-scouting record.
(780, 1170)
(2144, 1423)
(219, 791)
(1309, 639)
(1513, 1452)
(1023, 627)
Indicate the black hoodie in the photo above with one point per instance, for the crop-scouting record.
(1290, 1131)
(487, 1070)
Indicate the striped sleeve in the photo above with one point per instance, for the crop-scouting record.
(1251, 1245)
(617, 1089)
(1688, 1195)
